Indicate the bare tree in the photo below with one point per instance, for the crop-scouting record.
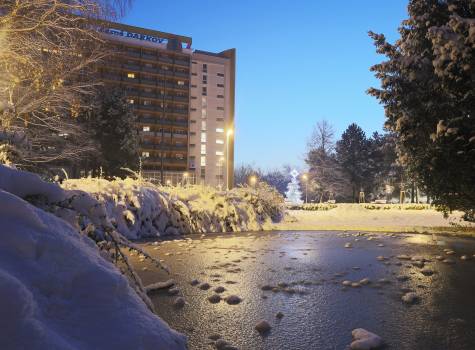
(48, 52)
(326, 179)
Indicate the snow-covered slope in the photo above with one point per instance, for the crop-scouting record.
(57, 292)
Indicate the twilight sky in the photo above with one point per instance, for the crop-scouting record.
(297, 62)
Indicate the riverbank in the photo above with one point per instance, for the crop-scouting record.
(355, 217)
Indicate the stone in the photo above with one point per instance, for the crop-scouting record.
(365, 340)
(410, 298)
(233, 299)
(279, 315)
(219, 289)
(179, 302)
(263, 326)
(204, 286)
(214, 299)
(194, 282)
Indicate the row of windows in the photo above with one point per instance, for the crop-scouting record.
(217, 74)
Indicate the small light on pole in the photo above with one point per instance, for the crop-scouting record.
(185, 177)
(229, 133)
(305, 179)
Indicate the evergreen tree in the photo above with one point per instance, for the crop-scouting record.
(352, 155)
(112, 123)
(428, 91)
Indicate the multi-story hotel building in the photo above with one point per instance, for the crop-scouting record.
(183, 100)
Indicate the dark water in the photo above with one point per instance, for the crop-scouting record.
(325, 315)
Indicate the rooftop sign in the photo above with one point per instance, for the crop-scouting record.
(126, 34)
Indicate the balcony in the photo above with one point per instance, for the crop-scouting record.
(148, 82)
(149, 57)
(132, 67)
(182, 63)
(158, 121)
(165, 59)
(180, 98)
(180, 136)
(182, 74)
(132, 54)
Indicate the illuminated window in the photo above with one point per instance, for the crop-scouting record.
(220, 142)
(180, 82)
(147, 102)
(146, 128)
(131, 75)
(203, 137)
(203, 113)
(145, 154)
(219, 153)
(131, 101)
(203, 149)
(203, 125)
(203, 161)
(219, 130)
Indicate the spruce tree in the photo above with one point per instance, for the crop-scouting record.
(428, 91)
(112, 124)
(352, 155)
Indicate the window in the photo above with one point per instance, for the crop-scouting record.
(193, 97)
(220, 108)
(203, 137)
(193, 85)
(220, 96)
(203, 113)
(147, 102)
(194, 62)
(130, 101)
(220, 119)
(194, 74)
(220, 75)
(203, 149)
(204, 92)
(219, 153)
(146, 128)
(220, 85)
(203, 162)
(205, 79)
(131, 75)
(219, 130)
(145, 154)
(193, 109)
(203, 101)
(205, 67)
(203, 125)
(181, 82)
(220, 142)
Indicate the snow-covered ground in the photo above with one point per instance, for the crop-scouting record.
(58, 292)
(356, 217)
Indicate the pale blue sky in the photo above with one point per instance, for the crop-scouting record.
(297, 62)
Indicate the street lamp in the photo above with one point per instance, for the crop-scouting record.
(253, 180)
(185, 178)
(305, 179)
(229, 133)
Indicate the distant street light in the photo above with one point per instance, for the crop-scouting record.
(305, 179)
(185, 178)
(253, 180)
(229, 133)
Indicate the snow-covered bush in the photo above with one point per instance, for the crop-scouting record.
(139, 209)
(56, 289)
(313, 206)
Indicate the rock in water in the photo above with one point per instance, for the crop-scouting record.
(179, 302)
(410, 298)
(262, 326)
(214, 299)
(365, 340)
(233, 299)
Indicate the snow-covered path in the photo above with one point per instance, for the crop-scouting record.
(356, 217)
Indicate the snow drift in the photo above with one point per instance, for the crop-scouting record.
(56, 290)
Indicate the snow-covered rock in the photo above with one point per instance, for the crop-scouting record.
(365, 340)
(56, 290)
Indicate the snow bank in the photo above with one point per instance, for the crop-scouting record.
(138, 209)
(56, 290)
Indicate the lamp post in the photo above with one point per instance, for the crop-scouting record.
(185, 178)
(253, 180)
(305, 179)
(229, 133)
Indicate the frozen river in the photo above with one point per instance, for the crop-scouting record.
(307, 270)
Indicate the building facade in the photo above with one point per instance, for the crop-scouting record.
(183, 100)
